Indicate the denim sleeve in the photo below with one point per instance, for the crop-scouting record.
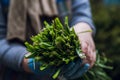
(11, 54)
(81, 12)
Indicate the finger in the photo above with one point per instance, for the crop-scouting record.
(84, 47)
(88, 55)
(74, 69)
(80, 72)
(91, 56)
(94, 59)
(67, 67)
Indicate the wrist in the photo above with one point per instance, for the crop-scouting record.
(25, 65)
(82, 27)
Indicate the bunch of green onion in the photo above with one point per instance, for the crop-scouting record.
(57, 45)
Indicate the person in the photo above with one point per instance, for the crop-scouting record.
(16, 14)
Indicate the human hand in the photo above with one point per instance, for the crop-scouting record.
(35, 68)
(70, 71)
(73, 70)
(87, 43)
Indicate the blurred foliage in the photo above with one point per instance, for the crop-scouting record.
(107, 22)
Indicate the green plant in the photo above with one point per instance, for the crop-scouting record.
(57, 45)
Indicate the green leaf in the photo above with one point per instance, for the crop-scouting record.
(43, 66)
(56, 74)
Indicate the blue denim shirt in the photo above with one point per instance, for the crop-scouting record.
(12, 54)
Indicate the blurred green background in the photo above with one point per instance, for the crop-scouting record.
(106, 16)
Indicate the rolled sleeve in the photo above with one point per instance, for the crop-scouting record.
(12, 54)
(82, 13)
